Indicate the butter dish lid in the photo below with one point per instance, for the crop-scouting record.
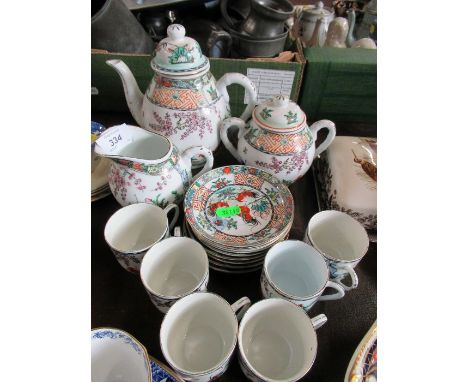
(350, 177)
(178, 54)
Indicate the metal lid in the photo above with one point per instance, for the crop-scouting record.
(178, 54)
(279, 114)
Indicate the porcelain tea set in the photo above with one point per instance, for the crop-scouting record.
(237, 219)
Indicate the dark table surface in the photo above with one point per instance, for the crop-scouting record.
(119, 299)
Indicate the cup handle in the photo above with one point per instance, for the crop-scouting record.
(240, 79)
(170, 207)
(225, 126)
(198, 150)
(242, 305)
(318, 321)
(354, 279)
(335, 296)
(177, 232)
(319, 125)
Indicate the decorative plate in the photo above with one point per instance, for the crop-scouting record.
(261, 207)
(363, 364)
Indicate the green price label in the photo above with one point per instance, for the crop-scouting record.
(225, 212)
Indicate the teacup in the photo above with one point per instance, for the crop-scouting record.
(341, 240)
(134, 229)
(117, 356)
(298, 273)
(199, 334)
(277, 341)
(172, 269)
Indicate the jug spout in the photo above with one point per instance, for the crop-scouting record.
(133, 95)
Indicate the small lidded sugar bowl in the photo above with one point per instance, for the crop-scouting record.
(277, 139)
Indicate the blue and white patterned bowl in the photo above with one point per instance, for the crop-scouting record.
(116, 355)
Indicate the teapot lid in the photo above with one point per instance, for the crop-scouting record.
(178, 54)
(318, 10)
(279, 114)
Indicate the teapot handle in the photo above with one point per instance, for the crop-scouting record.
(189, 153)
(226, 124)
(240, 79)
(323, 124)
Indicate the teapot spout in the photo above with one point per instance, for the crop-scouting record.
(133, 95)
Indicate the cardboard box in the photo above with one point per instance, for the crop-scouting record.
(108, 94)
(340, 85)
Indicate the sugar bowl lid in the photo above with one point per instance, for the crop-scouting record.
(178, 54)
(279, 114)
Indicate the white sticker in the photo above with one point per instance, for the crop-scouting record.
(270, 83)
(94, 90)
(114, 138)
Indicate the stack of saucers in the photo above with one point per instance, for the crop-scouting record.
(237, 213)
(99, 166)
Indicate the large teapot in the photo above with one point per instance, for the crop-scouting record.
(183, 101)
(146, 167)
(278, 139)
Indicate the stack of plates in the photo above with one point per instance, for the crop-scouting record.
(99, 166)
(237, 213)
(99, 183)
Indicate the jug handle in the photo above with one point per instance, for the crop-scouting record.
(240, 79)
(226, 124)
(189, 153)
(319, 125)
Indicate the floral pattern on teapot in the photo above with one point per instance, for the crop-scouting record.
(183, 101)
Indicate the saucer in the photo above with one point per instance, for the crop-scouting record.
(99, 183)
(264, 209)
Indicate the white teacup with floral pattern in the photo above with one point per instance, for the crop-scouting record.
(172, 269)
(298, 273)
(341, 240)
(277, 341)
(199, 334)
(134, 229)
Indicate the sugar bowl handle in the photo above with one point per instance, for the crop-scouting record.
(189, 153)
(240, 79)
(228, 123)
(319, 125)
